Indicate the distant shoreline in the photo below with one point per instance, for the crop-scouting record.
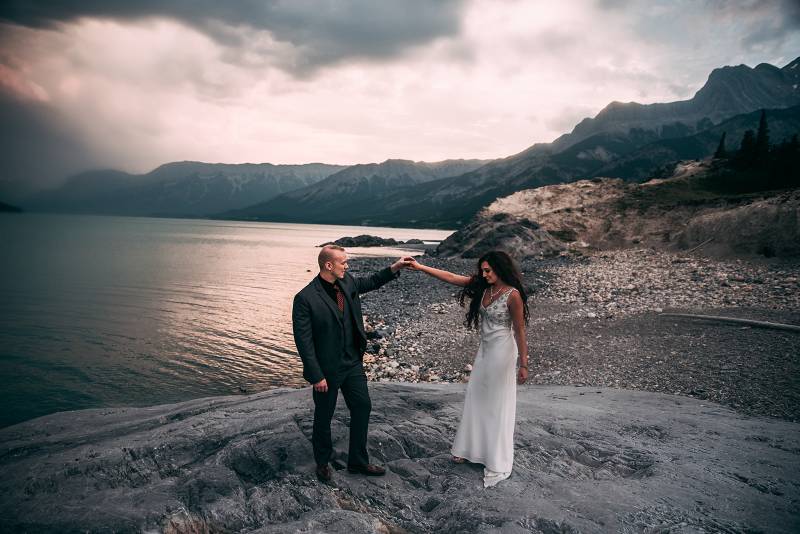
(8, 208)
(232, 220)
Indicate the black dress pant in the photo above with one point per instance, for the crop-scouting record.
(353, 385)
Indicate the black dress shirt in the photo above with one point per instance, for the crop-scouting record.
(350, 356)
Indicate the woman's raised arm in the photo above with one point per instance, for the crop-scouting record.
(444, 276)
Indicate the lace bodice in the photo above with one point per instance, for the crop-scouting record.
(495, 317)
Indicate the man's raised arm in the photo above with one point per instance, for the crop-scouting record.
(376, 280)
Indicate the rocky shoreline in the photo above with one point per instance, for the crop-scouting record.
(597, 320)
(586, 460)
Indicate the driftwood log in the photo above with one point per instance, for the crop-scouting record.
(704, 243)
(736, 320)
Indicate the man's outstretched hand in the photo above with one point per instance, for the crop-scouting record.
(402, 263)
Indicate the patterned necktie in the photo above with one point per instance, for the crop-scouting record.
(339, 297)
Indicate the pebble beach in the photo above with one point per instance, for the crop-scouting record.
(601, 320)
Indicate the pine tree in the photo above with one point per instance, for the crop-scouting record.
(761, 149)
(787, 162)
(748, 146)
(793, 176)
(745, 157)
(721, 152)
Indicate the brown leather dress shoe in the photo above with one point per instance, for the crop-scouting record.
(369, 470)
(325, 473)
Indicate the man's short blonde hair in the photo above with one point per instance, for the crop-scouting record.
(327, 254)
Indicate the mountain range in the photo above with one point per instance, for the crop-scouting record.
(729, 91)
(626, 140)
(640, 164)
(629, 139)
(346, 197)
(180, 189)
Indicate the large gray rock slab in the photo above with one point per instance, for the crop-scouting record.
(587, 460)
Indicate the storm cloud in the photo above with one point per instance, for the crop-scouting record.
(305, 34)
(39, 148)
(753, 23)
(132, 85)
(768, 28)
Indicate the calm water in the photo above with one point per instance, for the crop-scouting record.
(113, 311)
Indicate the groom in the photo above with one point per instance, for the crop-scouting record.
(329, 334)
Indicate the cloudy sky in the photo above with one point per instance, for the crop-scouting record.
(131, 85)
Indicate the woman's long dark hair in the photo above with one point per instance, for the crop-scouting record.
(506, 269)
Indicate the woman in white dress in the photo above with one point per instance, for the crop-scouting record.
(498, 306)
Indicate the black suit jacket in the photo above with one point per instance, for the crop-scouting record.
(317, 324)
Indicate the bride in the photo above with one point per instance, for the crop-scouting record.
(498, 306)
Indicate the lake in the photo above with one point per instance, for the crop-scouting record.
(124, 311)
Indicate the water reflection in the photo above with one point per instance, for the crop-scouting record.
(109, 311)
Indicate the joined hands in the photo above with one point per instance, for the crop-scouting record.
(412, 263)
(406, 262)
(402, 263)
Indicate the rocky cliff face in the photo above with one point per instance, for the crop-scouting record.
(728, 91)
(591, 213)
(675, 213)
(586, 460)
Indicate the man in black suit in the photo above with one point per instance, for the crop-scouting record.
(329, 334)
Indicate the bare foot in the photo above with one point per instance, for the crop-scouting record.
(458, 460)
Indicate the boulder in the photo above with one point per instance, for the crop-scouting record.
(520, 237)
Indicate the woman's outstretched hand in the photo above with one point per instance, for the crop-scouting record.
(522, 375)
(444, 276)
(413, 263)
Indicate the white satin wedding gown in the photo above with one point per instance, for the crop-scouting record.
(486, 431)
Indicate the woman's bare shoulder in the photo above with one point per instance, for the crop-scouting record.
(514, 296)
